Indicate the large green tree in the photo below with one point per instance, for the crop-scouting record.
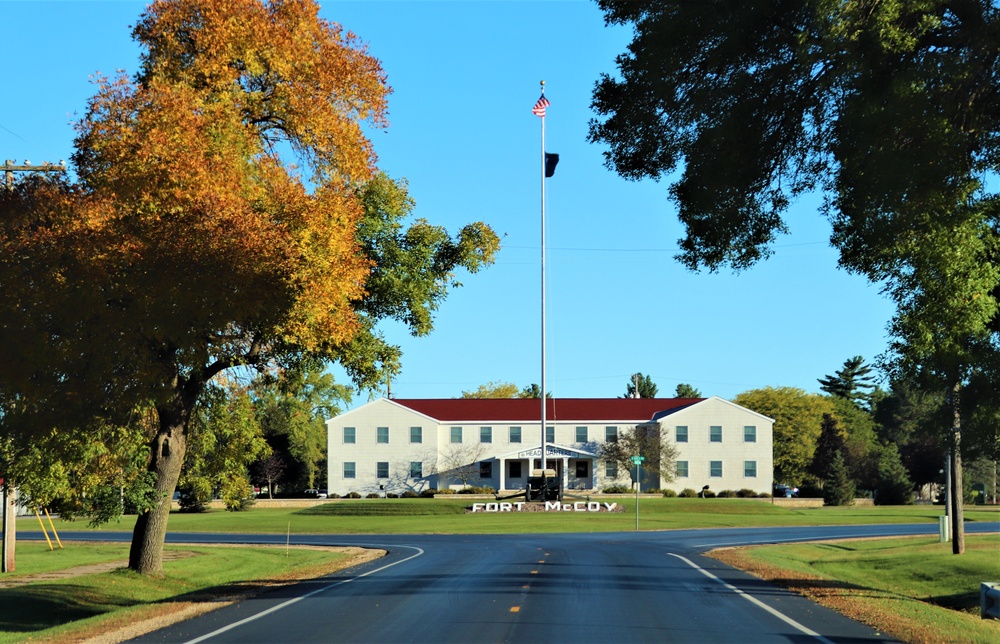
(889, 107)
(227, 212)
(798, 418)
(292, 407)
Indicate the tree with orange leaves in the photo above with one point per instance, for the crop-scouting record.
(228, 213)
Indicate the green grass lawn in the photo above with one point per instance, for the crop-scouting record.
(913, 588)
(85, 605)
(428, 516)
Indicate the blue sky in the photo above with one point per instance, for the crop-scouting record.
(465, 75)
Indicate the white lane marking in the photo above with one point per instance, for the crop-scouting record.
(788, 620)
(838, 537)
(288, 603)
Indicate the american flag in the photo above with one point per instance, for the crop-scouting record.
(539, 108)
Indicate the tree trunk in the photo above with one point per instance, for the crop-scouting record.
(166, 458)
(957, 520)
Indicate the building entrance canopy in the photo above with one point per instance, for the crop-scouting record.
(558, 455)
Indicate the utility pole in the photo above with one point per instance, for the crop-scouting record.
(7, 558)
(10, 167)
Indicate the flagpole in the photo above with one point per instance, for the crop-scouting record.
(543, 285)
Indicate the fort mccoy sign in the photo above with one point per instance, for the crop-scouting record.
(546, 506)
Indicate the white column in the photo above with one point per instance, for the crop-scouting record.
(503, 465)
(565, 473)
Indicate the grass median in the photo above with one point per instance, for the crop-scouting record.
(913, 588)
(83, 591)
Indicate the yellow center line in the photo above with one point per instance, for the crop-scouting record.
(515, 609)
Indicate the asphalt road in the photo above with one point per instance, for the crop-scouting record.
(600, 587)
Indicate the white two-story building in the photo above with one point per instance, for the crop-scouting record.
(394, 445)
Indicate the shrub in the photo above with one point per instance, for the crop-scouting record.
(472, 489)
(333, 496)
(428, 493)
(391, 495)
(724, 494)
(447, 490)
(409, 494)
(617, 489)
(746, 493)
(240, 505)
(688, 493)
(669, 494)
(372, 495)
(708, 494)
(352, 495)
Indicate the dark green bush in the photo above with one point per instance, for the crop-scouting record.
(352, 495)
(391, 495)
(669, 494)
(409, 494)
(726, 494)
(373, 495)
(688, 493)
(428, 493)
(746, 493)
(617, 489)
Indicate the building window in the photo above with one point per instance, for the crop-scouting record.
(715, 434)
(750, 434)
(456, 434)
(550, 434)
(350, 471)
(485, 434)
(715, 468)
(485, 469)
(582, 470)
(350, 435)
(416, 469)
(581, 435)
(750, 469)
(515, 468)
(382, 435)
(382, 469)
(682, 469)
(611, 434)
(515, 435)
(682, 434)
(416, 434)
(611, 470)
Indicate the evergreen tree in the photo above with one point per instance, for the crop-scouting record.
(894, 486)
(685, 390)
(838, 488)
(830, 443)
(640, 386)
(853, 382)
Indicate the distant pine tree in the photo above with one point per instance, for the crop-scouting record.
(894, 485)
(830, 442)
(838, 488)
(853, 382)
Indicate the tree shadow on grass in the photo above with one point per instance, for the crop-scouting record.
(36, 607)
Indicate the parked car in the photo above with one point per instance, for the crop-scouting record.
(785, 491)
(316, 494)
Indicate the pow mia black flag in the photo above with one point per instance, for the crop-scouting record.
(550, 164)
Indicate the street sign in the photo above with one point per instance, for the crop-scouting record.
(638, 459)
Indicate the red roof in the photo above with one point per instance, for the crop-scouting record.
(557, 409)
